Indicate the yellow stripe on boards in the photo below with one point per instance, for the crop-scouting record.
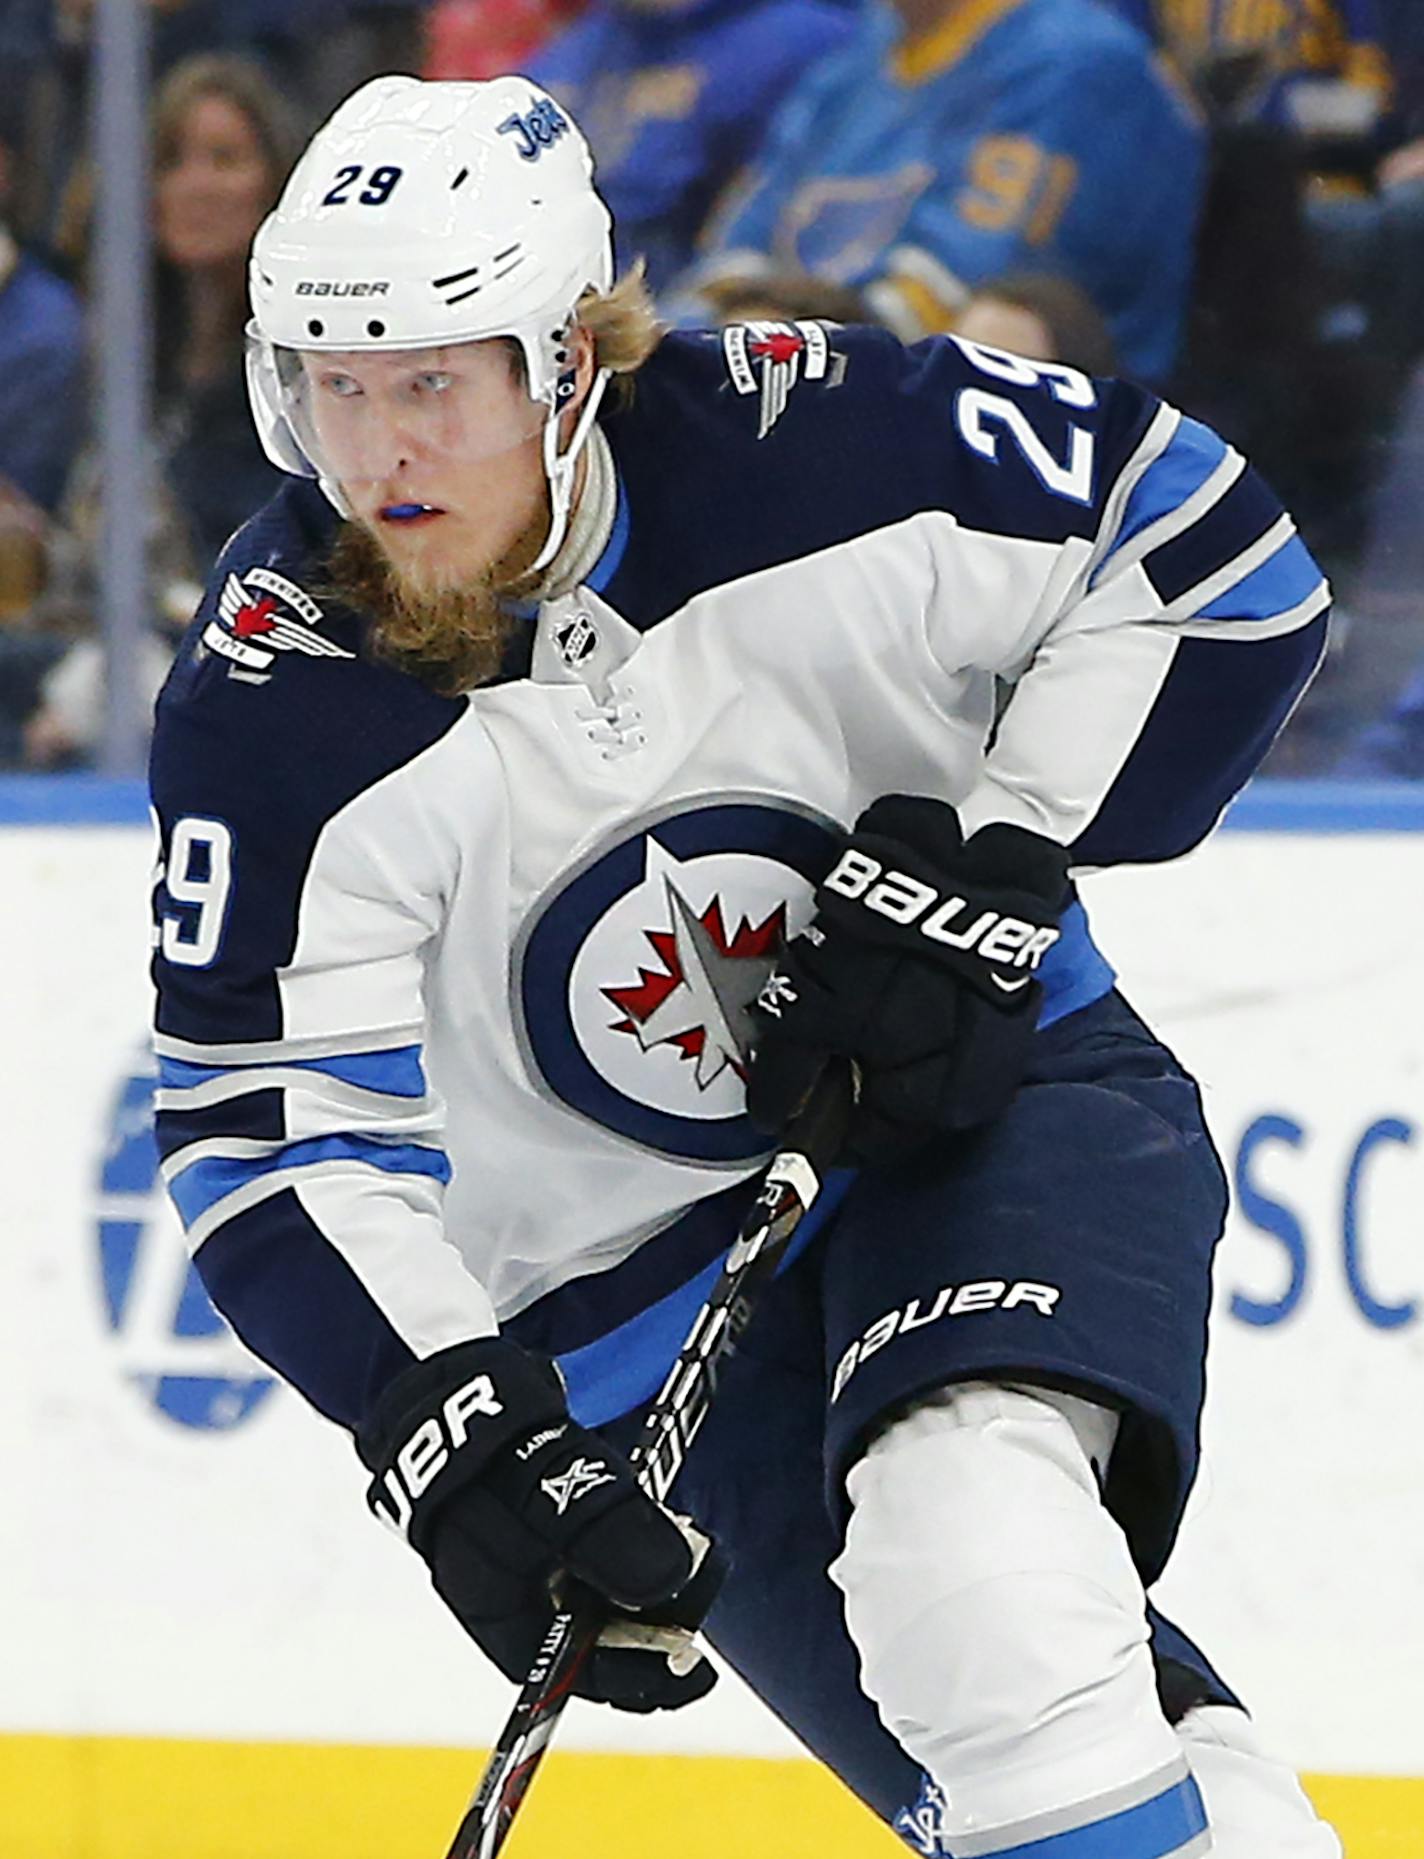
(138, 1798)
(127, 1798)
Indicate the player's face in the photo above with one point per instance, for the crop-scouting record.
(437, 451)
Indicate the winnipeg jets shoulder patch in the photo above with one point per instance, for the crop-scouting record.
(770, 359)
(261, 613)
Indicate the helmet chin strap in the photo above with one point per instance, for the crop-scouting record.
(560, 468)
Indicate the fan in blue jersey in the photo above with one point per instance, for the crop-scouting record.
(673, 96)
(950, 143)
(599, 737)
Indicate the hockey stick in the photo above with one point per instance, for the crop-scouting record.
(790, 1185)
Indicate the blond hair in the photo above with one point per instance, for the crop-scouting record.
(625, 327)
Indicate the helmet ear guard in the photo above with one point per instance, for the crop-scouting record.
(567, 383)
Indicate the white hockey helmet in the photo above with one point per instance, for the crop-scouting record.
(423, 215)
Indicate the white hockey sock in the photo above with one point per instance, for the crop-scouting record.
(1255, 1806)
(1002, 1632)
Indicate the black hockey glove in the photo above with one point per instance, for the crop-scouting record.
(919, 966)
(476, 1460)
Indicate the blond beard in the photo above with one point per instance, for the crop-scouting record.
(449, 632)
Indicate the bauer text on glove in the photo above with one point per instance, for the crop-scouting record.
(920, 966)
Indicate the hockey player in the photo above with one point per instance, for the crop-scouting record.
(552, 780)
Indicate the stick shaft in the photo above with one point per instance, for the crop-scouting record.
(789, 1188)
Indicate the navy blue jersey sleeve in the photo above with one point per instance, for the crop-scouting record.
(297, 886)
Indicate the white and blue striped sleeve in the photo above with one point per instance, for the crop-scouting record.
(1157, 685)
(300, 1140)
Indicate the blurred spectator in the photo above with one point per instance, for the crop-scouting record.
(1314, 65)
(41, 417)
(41, 356)
(1041, 317)
(319, 50)
(26, 50)
(1029, 313)
(954, 140)
(784, 296)
(316, 50)
(1308, 308)
(484, 38)
(1397, 256)
(1319, 75)
(674, 96)
(26, 34)
(1255, 364)
(223, 142)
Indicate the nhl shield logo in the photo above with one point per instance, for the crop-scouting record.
(261, 613)
(770, 358)
(576, 639)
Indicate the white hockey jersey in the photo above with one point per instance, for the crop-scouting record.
(453, 994)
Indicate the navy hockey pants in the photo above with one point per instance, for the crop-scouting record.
(1099, 1196)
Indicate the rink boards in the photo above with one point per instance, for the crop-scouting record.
(209, 1653)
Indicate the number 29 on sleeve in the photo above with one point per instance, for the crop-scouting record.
(197, 876)
(983, 417)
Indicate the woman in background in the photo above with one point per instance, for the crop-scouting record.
(223, 141)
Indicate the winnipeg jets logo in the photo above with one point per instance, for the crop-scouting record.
(583, 1476)
(262, 613)
(636, 975)
(770, 358)
(699, 999)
